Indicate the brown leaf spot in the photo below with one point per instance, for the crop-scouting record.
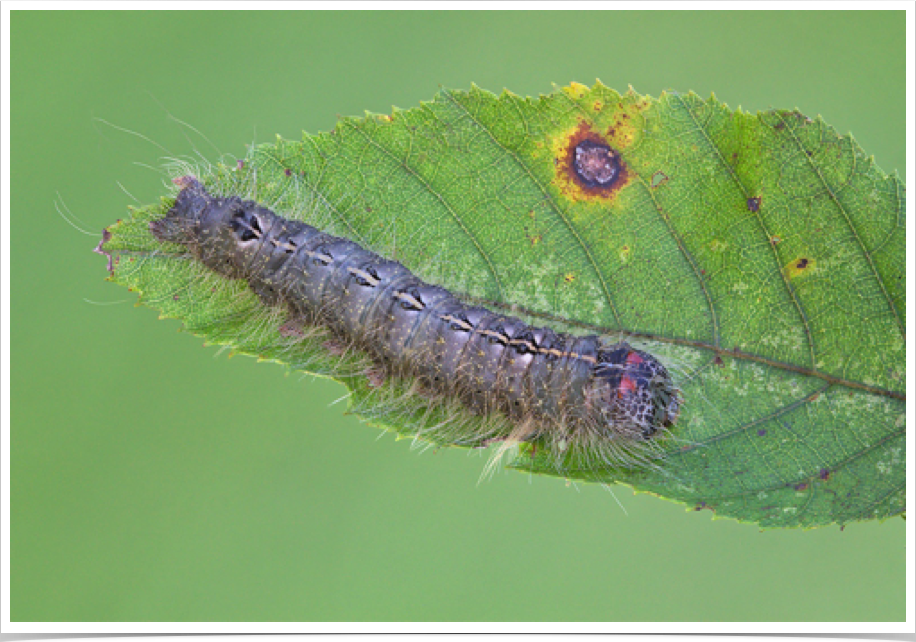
(799, 266)
(589, 168)
(335, 348)
(753, 204)
(595, 164)
(376, 378)
(292, 329)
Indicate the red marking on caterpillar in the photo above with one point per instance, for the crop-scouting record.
(627, 385)
(565, 392)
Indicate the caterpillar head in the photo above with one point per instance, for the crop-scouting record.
(632, 392)
(221, 232)
(182, 220)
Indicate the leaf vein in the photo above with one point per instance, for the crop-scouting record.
(746, 195)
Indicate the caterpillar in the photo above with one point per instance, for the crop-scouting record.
(567, 391)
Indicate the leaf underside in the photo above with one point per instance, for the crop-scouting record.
(761, 257)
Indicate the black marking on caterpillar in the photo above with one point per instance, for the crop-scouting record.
(565, 390)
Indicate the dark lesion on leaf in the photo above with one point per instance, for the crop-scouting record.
(753, 204)
(799, 266)
(591, 165)
(595, 164)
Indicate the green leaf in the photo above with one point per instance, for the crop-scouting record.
(761, 256)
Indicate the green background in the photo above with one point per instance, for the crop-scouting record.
(215, 489)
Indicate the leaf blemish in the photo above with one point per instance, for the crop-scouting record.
(753, 204)
(589, 167)
(798, 267)
(658, 178)
(595, 164)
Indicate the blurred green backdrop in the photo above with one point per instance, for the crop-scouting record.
(146, 487)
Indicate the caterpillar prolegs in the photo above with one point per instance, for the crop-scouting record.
(570, 389)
